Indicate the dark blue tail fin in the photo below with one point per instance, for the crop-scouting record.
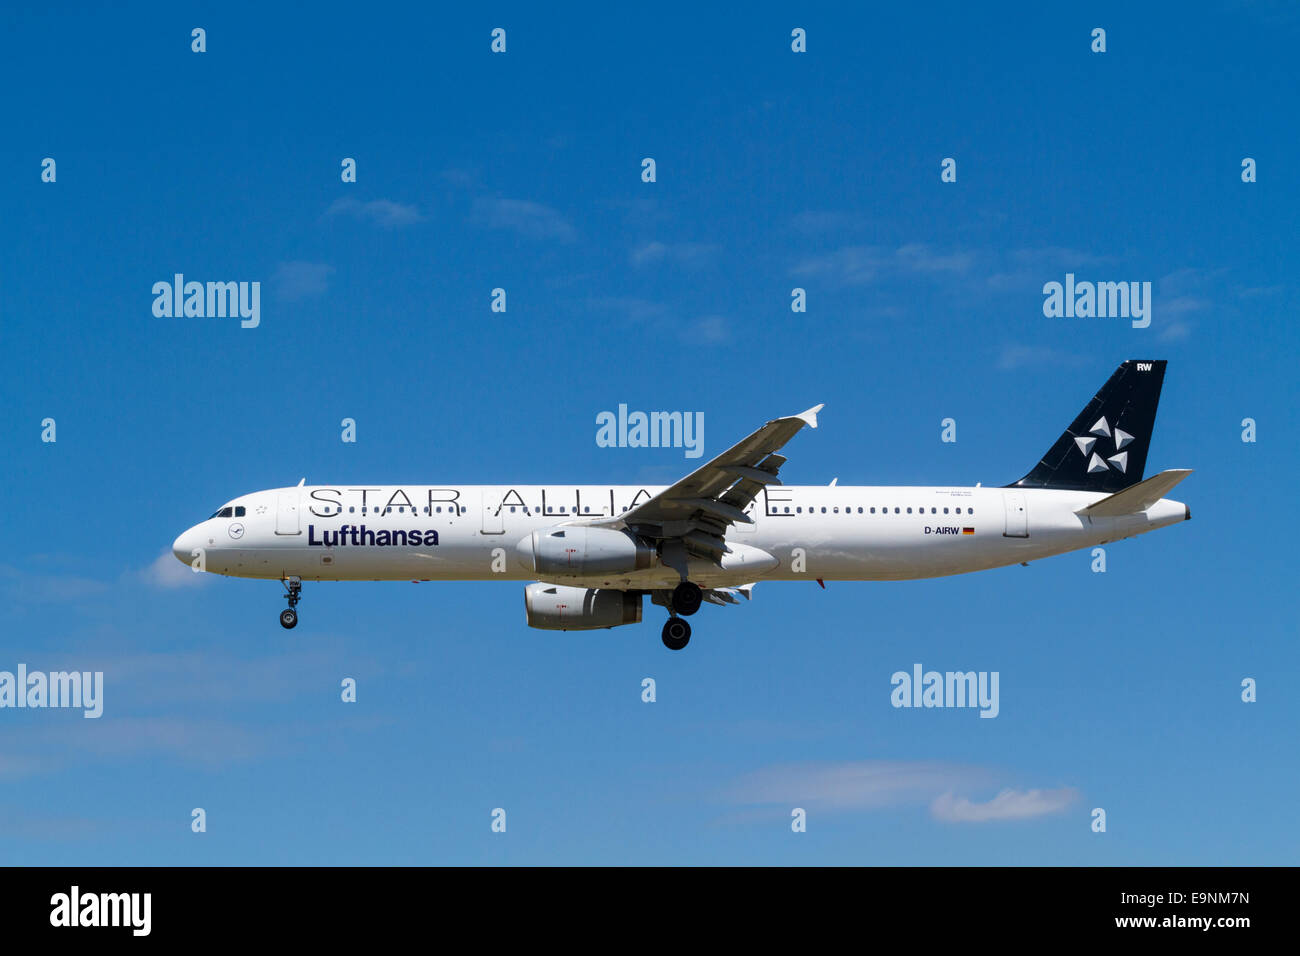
(1105, 449)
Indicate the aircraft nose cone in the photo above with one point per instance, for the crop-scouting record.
(183, 546)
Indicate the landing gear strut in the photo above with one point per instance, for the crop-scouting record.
(686, 599)
(293, 591)
(677, 634)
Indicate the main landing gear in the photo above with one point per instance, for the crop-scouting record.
(293, 591)
(684, 600)
(687, 598)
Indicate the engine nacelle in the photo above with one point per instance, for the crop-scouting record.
(558, 607)
(577, 550)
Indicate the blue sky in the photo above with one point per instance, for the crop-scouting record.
(522, 171)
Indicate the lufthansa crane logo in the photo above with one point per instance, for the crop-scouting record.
(1122, 439)
(236, 530)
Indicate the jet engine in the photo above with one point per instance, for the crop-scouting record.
(558, 607)
(577, 550)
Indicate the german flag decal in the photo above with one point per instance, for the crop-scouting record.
(967, 530)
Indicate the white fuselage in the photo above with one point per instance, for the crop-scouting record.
(471, 532)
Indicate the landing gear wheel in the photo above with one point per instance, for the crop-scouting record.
(292, 591)
(687, 598)
(677, 634)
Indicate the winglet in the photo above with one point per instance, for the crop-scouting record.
(810, 417)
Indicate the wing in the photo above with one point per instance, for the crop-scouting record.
(698, 510)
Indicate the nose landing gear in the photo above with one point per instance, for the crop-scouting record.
(293, 591)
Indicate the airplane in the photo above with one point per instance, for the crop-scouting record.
(593, 552)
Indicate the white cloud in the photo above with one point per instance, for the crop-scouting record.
(679, 253)
(1016, 356)
(921, 258)
(1184, 304)
(657, 319)
(852, 265)
(853, 785)
(711, 328)
(381, 212)
(532, 220)
(1027, 269)
(857, 265)
(1007, 805)
(167, 572)
(875, 784)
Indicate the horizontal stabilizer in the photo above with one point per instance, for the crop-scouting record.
(1136, 498)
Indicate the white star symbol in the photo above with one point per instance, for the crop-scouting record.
(1101, 429)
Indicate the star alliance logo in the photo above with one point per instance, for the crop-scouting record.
(1118, 461)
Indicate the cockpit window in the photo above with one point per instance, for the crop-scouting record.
(231, 511)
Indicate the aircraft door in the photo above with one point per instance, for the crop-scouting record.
(493, 513)
(286, 513)
(1017, 514)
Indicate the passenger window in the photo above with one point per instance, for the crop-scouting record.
(823, 510)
